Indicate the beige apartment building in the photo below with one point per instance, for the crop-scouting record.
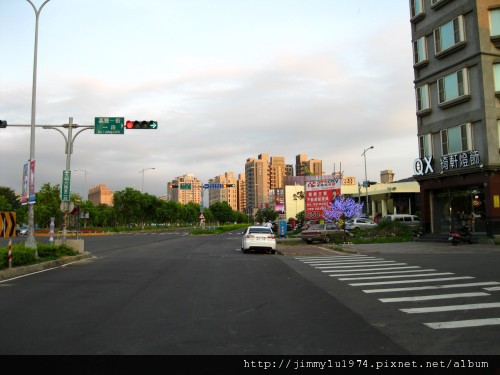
(304, 167)
(185, 189)
(101, 194)
(241, 191)
(265, 176)
(228, 194)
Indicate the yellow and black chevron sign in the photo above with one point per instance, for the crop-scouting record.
(7, 224)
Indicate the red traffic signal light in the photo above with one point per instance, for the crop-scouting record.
(141, 124)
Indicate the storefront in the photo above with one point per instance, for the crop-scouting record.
(463, 199)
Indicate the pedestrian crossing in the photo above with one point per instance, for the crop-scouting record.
(400, 283)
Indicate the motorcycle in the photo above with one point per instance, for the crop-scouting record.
(460, 236)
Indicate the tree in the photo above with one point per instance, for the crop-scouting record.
(10, 197)
(48, 204)
(127, 204)
(222, 211)
(301, 217)
(342, 209)
(265, 215)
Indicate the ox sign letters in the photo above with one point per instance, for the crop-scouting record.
(448, 162)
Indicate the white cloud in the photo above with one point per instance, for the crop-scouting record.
(305, 78)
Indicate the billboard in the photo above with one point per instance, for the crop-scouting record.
(318, 194)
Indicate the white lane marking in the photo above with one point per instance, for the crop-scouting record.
(371, 265)
(395, 276)
(412, 281)
(472, 306)
(433, 297)
(356, 264)
(493, 289)
(372, 269)
(382, 273)
(408, 289)
(464, 323)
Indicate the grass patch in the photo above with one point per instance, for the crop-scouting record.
(219, 229)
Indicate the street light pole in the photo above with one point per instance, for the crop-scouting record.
(366, 183)
(85, 182)
(142, 186)
(30, 241)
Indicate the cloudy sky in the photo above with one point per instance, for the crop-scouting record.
(226, 80)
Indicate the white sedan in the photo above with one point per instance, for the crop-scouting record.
(258, 238)
(360, 223)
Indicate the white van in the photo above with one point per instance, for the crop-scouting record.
(412, 220)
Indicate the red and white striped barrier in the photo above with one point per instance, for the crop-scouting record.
(9, 254)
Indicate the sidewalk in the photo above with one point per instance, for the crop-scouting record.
(319, 249)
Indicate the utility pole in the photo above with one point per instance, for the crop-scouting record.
(30, 241)
(65, 190)
(366, 183)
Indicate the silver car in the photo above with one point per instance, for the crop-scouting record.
(360, 223)
(324, 233)
(258, 238)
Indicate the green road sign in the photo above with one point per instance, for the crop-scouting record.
(186, 185)
(109, 125)
(66, 183)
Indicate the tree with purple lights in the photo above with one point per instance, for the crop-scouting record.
(342, 209)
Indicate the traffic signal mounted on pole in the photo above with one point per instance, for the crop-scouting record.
(172, 186)
(141, 124)
(3, 124)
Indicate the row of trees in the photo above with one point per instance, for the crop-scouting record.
(130, 208)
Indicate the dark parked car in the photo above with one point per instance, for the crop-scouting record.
(323, 233)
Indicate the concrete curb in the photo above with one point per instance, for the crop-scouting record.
(10, 273)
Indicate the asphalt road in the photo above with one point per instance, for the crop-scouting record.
(172, 293)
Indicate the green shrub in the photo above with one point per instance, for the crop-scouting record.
(22, 256)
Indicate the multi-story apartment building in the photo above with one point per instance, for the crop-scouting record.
(257, 183)
(456, 60)
(101, 194)
(265, 176)
(300, 164)
(304, 167)
(242, 195)
(228, 194)
(185, 189)
(276, 170)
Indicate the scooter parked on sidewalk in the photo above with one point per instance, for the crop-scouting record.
(460, 236)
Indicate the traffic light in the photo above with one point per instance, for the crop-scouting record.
(172, 186)
(141, 124)
(3, 124)
(229, 185)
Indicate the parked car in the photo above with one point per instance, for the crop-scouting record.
(323, 233)
(258, 238)
(23, 230)
(411, 220)
(360, 223)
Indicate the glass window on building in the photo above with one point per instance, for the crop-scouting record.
(495, 22)
(416, 8)
(449, 35)
(454, 208)
(422, 95)
(425, 145)
(420, 51)
(456, 139)
(453, 86)
(496, 77)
